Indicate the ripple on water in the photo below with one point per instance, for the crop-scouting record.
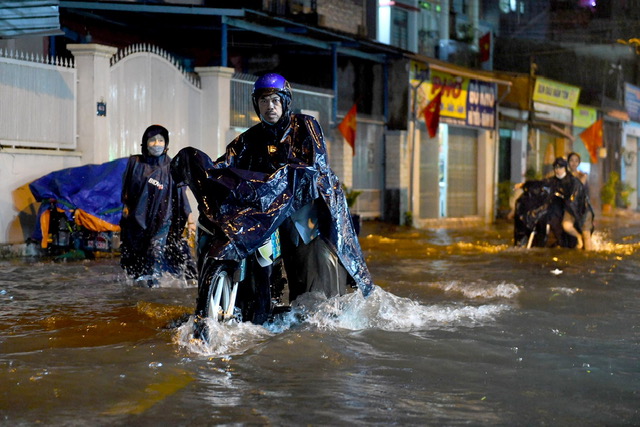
(479, 289)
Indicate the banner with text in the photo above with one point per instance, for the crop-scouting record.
(632, 101)
(465, 101)
(556, 93)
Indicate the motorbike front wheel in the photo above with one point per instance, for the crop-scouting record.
(215, 295)
(216, 289)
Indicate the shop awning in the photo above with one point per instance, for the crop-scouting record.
(436, 64)
(19, 18)
(547, 127)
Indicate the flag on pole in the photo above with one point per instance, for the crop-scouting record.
(432, 114)
(485, 47)
(592, 138)
(348, 127)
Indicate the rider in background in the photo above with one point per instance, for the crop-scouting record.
(155, 213)
(282, 138)
(570, 198)
(573, 160)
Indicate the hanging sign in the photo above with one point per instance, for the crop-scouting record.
(632, 101)
(584, 116)
(555, 93)
(465, 101)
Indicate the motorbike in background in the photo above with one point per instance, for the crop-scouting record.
(538, 218)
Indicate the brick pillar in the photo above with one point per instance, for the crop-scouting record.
(216, 106)
(94, 80)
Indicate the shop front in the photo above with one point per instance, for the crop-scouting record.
(454, 157)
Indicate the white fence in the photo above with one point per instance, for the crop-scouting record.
(148, 87)
(50, 121)
(37, 102)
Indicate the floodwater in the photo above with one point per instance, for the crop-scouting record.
(462, 329)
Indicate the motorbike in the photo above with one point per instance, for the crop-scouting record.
(538, 218)
(80, 209)
(229, 271)
(242, 214)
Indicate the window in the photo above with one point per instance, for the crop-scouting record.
(399, 25)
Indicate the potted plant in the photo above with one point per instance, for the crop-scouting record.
(624, 191)
(505, 192)
(351, 196)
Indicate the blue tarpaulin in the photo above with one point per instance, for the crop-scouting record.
(94, 189)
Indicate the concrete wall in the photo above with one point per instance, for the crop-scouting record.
(17, 206)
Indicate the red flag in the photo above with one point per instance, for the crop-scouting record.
(592, 138)
(432, 114)
(348, 127)
(485, 47)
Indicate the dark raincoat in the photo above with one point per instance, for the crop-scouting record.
(267, 174)
(544, 202)
(155, 214)
(570, 196)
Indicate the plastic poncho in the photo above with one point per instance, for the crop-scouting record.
(155, 214)
(531, 213)
(289, 170)
(545, 201)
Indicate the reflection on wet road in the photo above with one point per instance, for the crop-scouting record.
(462, 328)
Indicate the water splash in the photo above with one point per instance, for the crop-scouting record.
(380, 310)
(602, 244)
(386, 311)
(225, 339)
(479, 289)
(163, 280)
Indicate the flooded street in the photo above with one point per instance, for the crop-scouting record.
(462, 329)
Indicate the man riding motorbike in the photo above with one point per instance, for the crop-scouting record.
(276, 176)
(563, 209)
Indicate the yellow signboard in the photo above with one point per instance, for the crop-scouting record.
(465, 101)
(454, 95)
(554, 93)
(583, 117)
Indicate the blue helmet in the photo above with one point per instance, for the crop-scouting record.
(272, 83)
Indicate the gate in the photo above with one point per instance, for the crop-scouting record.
(149, 87)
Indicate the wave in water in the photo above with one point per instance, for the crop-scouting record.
(381, 310)
(479, 290)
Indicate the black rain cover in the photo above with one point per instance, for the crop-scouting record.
(248, 206)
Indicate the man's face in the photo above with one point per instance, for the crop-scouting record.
(270, 107)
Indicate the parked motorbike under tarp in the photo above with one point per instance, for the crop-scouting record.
(538, 218)
(80, 207)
